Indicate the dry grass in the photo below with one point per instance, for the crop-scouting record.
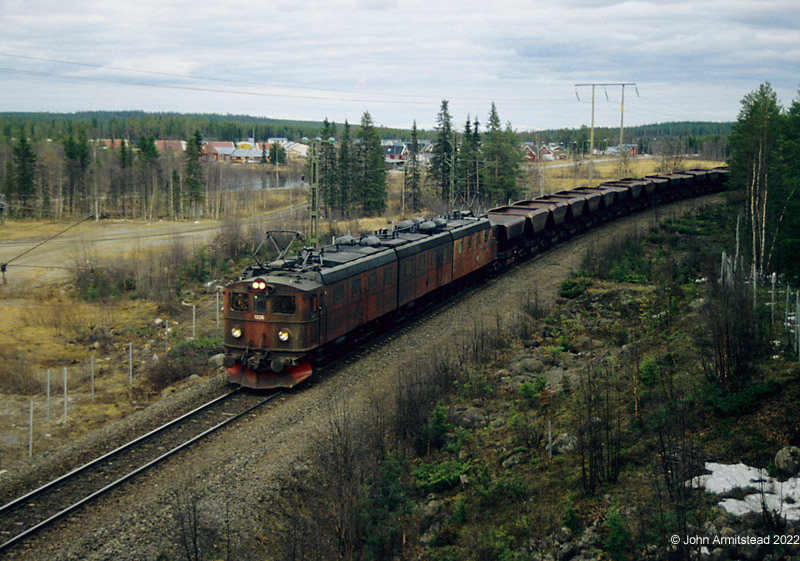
(558, 177)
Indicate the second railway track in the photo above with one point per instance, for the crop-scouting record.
(31, 512)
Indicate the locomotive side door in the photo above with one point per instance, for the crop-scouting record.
(317, 326)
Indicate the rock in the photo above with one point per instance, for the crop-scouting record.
(567, 552)
(158, 322)
(531, 365)
(470, 417)
(582, 343)
(514, 460)
(564, 535)
(429, 513)
(697, 305)
(216, 360)
(787, 461)
(564, 443)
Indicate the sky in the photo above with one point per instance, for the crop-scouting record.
(310, 60)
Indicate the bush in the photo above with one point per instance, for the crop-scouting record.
(530, 391)
(618, 542)
(440, 476)
(185, 359)
(431, 434)
(574, 287)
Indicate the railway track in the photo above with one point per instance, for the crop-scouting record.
(26, 515)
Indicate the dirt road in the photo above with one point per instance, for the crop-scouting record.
(33, 257)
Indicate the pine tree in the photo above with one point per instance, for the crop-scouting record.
(443, 154)
(467, 163)
(501, 161)
(411, 172)
(193, 172)
(371, 179)
(345, 170)
(787, 195)
(277, 154)
(76, 151)
(327, 166)
(24, 174)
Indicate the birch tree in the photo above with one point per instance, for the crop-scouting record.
(753, 140)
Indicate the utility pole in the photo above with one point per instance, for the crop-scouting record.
(591, 135)
(313, 238)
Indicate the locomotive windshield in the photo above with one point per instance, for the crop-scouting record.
(284, 304)
(240, 302)
(260, 303)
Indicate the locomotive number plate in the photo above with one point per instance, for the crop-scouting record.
(259, 316)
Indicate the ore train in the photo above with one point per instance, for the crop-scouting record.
(283, 317)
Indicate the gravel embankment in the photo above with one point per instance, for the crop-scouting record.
(231, 474)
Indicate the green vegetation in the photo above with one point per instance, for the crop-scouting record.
(641, 403)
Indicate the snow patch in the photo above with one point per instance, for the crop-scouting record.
(780, 497)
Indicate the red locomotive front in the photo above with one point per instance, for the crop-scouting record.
(271, 328)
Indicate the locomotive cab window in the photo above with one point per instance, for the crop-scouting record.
(469, 243)
(260, 303)
(372, 281)
(355, 288)
(239, 302)
(387, 275)
(284, 304)
(338, 294)
(422, 262)
(460, 246)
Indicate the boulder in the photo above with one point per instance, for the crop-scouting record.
(514, 460)
(787, 460)
(562, 444)
(470, 417)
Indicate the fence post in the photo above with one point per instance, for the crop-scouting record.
(194, 317)
(65, 396)
(48, 396)
(797, 322)
(92, 377)
(166, 337)
(30, 433)
(786, 309)
(130, 364)
(217, 293)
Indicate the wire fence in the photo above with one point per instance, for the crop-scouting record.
(770, 291)
(41, 403)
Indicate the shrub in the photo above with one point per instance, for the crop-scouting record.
(574, 287)
(440, 476)
(618, 542)
(530, 391)
(185, 359)
(431, 434)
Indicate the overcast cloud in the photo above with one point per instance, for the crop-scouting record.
(690, 59)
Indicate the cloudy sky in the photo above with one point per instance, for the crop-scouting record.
(310, 59)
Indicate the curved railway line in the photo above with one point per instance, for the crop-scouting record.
(29, 513)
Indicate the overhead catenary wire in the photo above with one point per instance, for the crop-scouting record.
(82, 220)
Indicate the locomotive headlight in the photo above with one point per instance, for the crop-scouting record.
(283, 335)
(259, 284)
(236, 332)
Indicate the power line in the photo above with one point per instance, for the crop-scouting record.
(427, 98)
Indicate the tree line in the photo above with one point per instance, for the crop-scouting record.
(75, 176)
(462, 169)
(50, 164)
(765, 167)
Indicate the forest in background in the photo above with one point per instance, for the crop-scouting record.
(51, 168)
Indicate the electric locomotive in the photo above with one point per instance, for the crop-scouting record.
(282, 317)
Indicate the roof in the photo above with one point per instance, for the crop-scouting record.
(349, 255)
